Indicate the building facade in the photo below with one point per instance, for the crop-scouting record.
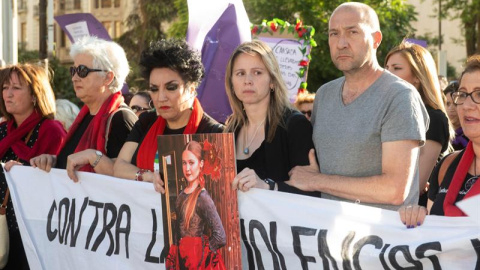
(112, 14)
(453, 45)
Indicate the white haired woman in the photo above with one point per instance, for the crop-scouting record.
(67, 111)
(99, 71)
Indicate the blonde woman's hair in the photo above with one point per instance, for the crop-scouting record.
(278, 94)
(304, 97)
(424, 68)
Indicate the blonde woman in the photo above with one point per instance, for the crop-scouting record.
(415, 64)
(271, 136)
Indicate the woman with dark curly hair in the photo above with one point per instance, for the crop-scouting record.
(174, 71)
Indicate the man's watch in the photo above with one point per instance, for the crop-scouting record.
(270, 183)
(99, 156)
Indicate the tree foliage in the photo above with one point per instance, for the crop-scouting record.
(395, 18)
(179, 27)
(61, 82)
(147, 23)
(468, 11)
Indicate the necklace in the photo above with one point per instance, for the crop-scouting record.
(471, 181)
(246, 150)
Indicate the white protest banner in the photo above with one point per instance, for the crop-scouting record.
(108, 223)
(286, 231)
(99, 223)
(471, 207)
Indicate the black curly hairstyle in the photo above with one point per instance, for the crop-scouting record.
(174, 54)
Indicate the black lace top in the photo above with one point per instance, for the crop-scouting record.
(204, 219)
(10, 155)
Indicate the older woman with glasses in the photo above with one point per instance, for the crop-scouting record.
(99, 71)
(455, 177)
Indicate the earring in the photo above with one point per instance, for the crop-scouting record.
(272, 90)
(34, 102)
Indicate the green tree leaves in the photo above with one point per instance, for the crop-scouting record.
(395, 17)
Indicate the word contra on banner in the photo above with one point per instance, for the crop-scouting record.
(114, 222)
(68, 225)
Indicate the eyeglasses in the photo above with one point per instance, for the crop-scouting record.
(83, 70)
(459, 97)
(307, 113)
(136, 108)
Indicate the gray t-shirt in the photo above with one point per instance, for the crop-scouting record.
(348, 138)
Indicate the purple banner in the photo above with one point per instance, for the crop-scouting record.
(228, 30)
(78, 25)
(420, 42)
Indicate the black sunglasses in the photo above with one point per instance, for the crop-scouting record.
(136, 108)
(83, 70)
(308, 113)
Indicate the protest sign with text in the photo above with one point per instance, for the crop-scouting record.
(108, 223)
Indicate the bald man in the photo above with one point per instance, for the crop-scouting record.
(368, 124)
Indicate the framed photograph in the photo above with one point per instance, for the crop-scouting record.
(200, 211)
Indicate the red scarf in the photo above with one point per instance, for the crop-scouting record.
(449, 207)
(148, 147)
(15, 135)
(94, 136)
